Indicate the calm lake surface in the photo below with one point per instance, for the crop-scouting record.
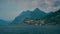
(30, 29)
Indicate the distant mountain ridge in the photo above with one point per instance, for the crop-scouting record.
(3, 22)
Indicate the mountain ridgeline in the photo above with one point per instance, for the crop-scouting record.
(38, 17)
(34, 15)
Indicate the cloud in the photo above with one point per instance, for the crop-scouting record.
(45, 5)
(52, 5)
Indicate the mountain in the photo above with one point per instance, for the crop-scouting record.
(22, 16)
(36, 14)
(48, 15)
(53, 18)
(3, 22)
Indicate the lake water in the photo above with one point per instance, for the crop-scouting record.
(30, 29)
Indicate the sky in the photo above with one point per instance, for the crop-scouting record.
(9, 9)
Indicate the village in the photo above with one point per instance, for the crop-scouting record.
(34, 22)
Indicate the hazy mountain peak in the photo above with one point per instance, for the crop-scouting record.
(37, 9)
